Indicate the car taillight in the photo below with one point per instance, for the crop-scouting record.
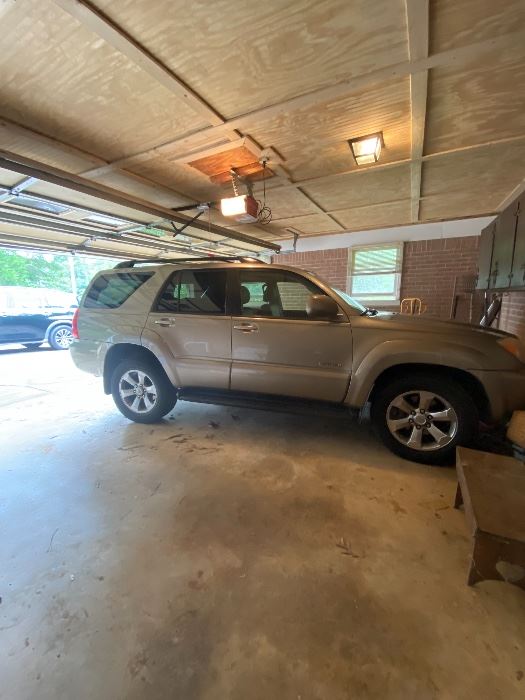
(74, 325)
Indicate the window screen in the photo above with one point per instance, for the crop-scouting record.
(274, 293)
(111, 291)
(375, 273)
(195, 292)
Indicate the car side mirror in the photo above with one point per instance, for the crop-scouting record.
(320, 307)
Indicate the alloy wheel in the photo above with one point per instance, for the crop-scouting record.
(422, 420)
(63, 337)
(137, 391)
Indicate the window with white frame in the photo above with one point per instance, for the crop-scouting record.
(374, 274)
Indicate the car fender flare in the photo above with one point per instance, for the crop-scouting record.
(157, 346)
(390, 353)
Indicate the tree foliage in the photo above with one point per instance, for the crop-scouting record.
(48, 270)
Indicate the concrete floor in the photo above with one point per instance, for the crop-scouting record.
(201, 558)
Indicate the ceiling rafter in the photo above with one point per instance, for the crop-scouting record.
(418, 31)
(345, 88)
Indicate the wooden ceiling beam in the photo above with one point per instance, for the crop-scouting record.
(417, 29)
(110, 32)
(345, 88)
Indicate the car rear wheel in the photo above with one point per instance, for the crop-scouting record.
(423, 418)
(60, 337)
(141, 391)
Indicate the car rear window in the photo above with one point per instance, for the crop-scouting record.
(111, 291)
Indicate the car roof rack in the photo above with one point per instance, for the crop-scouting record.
(177, 261)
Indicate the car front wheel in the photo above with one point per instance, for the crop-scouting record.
(60, 337)
(141, 391)
(423, 418)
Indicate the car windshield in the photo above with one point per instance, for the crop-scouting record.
(350, 300)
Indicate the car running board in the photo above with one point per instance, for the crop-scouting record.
(266, 402)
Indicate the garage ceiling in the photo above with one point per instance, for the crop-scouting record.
(128, 95)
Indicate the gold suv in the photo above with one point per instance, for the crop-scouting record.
(238, 331)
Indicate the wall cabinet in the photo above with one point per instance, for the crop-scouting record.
(518, 265)
(486, 246)
(502, 250)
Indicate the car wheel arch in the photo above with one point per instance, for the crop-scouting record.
(121, 351)
(463, 377)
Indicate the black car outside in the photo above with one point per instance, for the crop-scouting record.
(32, 315)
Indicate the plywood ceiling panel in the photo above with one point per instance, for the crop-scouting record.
(456, 23)
(243, 55)
(61, 79)
(393, 214)
(314, 223)
(180, 177)
(477, 173)
(138, 188)
(287, 202)
(45, 151)
(477, 102)
(314, 141)
(369, 187)
(454, 205)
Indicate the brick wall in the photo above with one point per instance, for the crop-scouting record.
(430, 268)
(331, 265)
(512, 315)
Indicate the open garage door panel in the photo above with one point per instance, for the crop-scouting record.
(48, 208)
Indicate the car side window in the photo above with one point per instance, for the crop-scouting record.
(109, 291)
(275, 293)
(195, 292)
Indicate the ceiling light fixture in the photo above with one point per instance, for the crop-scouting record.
(367, 149)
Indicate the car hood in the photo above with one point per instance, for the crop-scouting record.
(429, 324)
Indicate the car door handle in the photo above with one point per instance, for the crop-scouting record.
(166, 322)
(246, 327)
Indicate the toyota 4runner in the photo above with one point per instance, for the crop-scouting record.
(238, 331)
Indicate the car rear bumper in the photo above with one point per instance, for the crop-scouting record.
(89, 355)
(505, 391)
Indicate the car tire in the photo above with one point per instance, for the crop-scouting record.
(141, 391)
(32, 346)
(424, 417)
(60, 337)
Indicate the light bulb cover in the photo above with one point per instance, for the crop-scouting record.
(367, 149)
